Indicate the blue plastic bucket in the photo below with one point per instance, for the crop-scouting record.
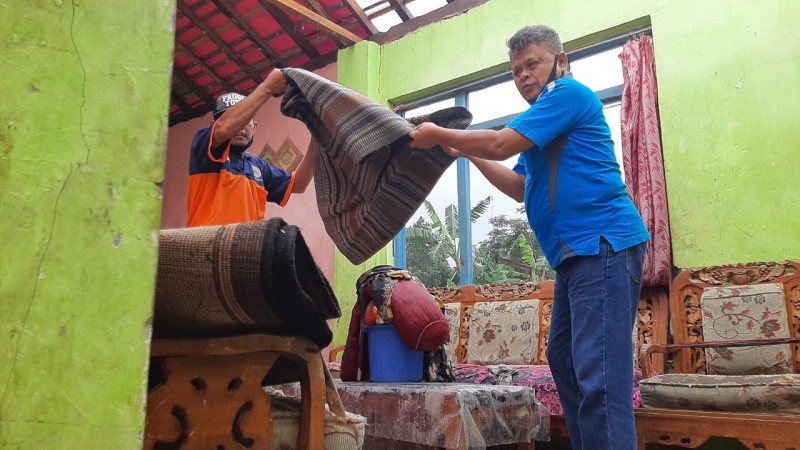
(389, 358)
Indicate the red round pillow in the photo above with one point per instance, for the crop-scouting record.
(417, 317)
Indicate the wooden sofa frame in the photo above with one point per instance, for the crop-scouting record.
(652, 320)
(692, 428)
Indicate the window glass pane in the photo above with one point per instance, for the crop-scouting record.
(430, 107)
(612, 112)
(599, 71)
(504, 247)
(431, 250)
(495, 101)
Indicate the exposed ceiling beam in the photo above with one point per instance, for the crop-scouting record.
(202, 64)
(211, 34)
(360, 16)
(451, 9)
(319, 9)
(192, 114)
(401, 10)
(289, 6)
(191, 85)
(185, 108)
(289, 27)
(226, 8)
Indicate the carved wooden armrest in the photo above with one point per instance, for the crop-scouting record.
(646, 359)
(334, 353)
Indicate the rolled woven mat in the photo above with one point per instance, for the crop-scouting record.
(242, 278)
(369, 182)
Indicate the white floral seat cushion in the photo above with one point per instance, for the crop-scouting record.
(505, 332)
(755, 394)
(452, 311)
(747, 312)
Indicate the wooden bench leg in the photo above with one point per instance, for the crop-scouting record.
(312, 396)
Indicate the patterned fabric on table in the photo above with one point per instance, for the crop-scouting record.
(368, 181)
(748, 312)
(347, 434)
(504, 332)
(239, 279)
(769, 394)
(535, 376)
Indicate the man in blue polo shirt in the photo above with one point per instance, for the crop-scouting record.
(590, 231)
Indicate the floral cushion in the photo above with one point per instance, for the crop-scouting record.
(768, 394)
(452, 311)
(504, 332)
(750, 312)
(535, 376)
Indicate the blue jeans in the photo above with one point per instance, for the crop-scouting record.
(590, 351)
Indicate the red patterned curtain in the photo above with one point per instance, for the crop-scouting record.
(642, 157)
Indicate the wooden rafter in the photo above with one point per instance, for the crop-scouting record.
(304, 13)
(383, 7)
(203, 66)
(185, 108)
(191, 85)
(449, 10)
(319, 9)
(401, 10)
(211, 34)
(227, 9)
(361, 17)
(289, 27)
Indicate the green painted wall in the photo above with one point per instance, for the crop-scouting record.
(730, 148)
(359, 71)
(345, 287)
(85, 95)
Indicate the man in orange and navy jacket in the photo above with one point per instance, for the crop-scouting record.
(226, 183)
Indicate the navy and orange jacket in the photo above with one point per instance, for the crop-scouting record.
(226, 187)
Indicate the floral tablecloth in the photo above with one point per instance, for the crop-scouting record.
(450, 415)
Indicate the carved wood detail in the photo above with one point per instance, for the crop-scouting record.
(749, 273)
(207, 403)
(210, 396)
(687, 290)
(793, 301)
(545, 316)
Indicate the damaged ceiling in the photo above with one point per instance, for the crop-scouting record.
(231, 45)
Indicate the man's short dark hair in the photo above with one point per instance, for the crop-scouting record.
(541, 35)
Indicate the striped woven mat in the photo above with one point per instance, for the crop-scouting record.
(238, 279)
(368, 181)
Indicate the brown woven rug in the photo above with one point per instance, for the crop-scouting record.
(368, 181)
(242, 278)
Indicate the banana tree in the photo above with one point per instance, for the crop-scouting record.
(535, 267)
(444, 235)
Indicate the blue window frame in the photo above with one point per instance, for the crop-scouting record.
(495, 102)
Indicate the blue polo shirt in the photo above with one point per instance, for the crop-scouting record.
(574, 193)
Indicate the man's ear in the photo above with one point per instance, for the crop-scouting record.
(212, 122)
(563, 61)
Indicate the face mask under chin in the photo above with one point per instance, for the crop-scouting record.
(550, 79)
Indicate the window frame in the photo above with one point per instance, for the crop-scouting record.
(608, 96)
